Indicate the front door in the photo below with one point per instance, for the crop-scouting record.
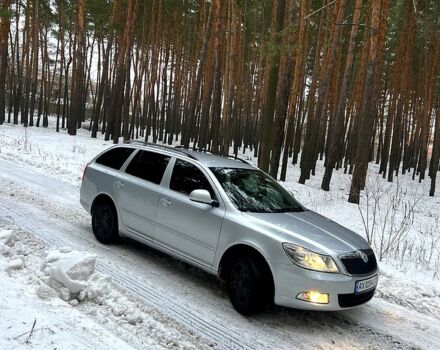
(186, 227)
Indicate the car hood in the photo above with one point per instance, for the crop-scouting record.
(311, 230)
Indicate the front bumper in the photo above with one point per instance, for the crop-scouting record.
(290, 280)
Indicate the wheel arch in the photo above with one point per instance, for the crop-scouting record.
(104, 198)
(239, 250)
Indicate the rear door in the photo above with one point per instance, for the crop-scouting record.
(189, 228)
(139, 190)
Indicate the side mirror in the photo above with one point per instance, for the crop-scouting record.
(203, 196)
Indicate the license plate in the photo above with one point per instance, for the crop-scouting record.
(364, 285)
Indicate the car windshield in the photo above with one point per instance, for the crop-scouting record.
(252, 190)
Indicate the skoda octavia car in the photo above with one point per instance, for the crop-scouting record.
(230, 219)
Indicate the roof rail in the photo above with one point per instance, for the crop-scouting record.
(231, 156)
(165, 147)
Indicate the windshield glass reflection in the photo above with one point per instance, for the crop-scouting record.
(251, 190)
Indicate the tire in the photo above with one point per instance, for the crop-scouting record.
(105, 223)
(250, 287)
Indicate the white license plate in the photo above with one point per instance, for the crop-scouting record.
(364, 285)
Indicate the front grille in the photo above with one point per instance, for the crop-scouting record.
(350, 300)
(355, 265)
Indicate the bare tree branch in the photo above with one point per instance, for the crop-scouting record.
(318, 10)
(31, 332)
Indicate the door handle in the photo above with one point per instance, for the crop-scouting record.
(166, 202)
(120, 184)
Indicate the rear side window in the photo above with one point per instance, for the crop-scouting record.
(148, 166)
(187, 178)
(115, 157)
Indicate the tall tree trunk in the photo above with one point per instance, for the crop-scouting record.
(283, 91)
(368, 112)
(18, 66)
(121, 70)
(217, 89)
(336, 138)
(78, 71)
(34, 62)
(435, 152)
(194, 96)
(270, 84)
(4, 32)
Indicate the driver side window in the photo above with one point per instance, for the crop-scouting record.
(187, 177)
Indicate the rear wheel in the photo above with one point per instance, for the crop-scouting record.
(105, 223)
(250, 289)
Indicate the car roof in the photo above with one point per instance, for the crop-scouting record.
(206, 159)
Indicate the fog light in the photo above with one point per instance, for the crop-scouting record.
(313, 297)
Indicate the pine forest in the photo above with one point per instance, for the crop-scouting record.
(347, 82)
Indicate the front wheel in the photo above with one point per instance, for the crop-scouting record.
(249, 286)
(105, 223)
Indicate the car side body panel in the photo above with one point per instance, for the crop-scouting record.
(192, 228)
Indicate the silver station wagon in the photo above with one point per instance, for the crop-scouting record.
(230, 219)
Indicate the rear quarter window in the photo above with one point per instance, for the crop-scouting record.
(115, 157)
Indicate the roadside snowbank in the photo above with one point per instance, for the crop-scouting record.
(71, 274)
(67, 272)
(27, 320)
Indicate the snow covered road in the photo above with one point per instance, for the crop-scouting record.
(191, 300)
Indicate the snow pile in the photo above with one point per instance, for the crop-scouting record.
(28, 322)
(15, 264)
(71, 275)
(6, 237)
(101, 290)
(67, 272)
(7, 240)
(57, 275)
(66, 280)
(62, 288)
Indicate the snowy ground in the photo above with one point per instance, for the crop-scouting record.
(147, 299)
(40, 322)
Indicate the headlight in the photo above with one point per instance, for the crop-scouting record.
(309, 260)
